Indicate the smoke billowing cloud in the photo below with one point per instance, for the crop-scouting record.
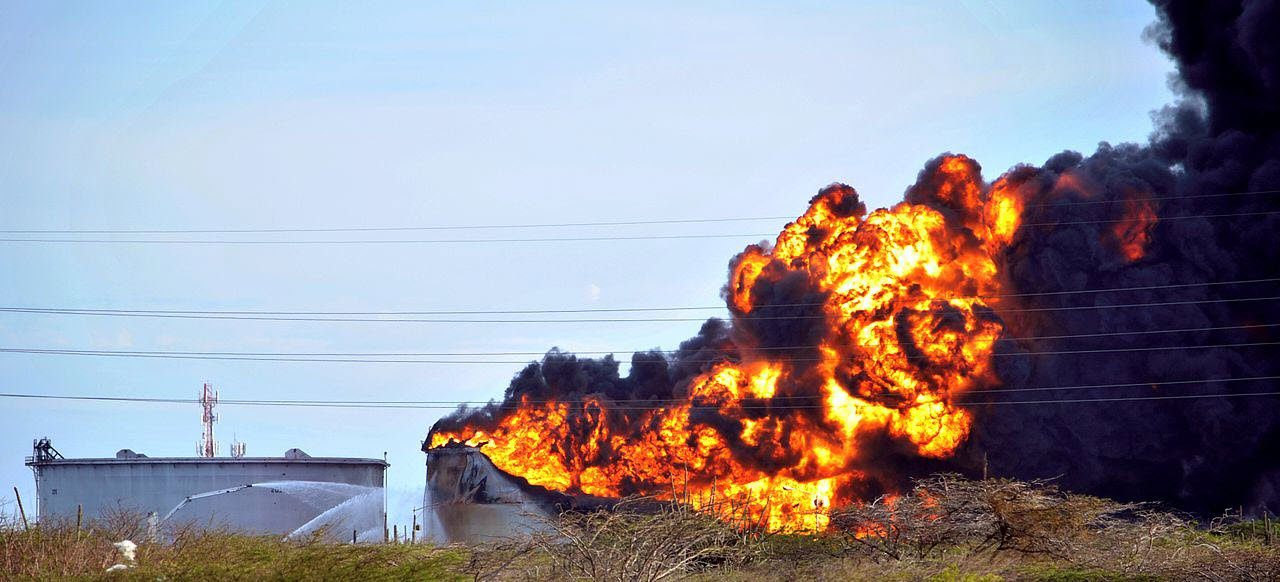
(939, 364)
(1219, 139)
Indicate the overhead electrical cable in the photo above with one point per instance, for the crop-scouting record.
(1143, 199)
(539, 239)
(575, 320)
(398, 228)
(89, 311)
(549, 224)
(690, 405)
(381, 241)
(675, 401)
(120, 354)
(403, 354)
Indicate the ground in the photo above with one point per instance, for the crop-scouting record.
(945, 529)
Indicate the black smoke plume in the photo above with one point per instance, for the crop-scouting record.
(1220, 141)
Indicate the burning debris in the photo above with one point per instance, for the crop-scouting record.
(865, 348)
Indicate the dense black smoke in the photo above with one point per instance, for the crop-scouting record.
(1203, 454)
(655, 377)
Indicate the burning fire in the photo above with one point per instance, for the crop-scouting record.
(896, 308)
(1133, 233)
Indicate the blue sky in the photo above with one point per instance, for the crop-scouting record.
(310, 114)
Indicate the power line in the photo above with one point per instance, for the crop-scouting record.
(171, 356)
(382, 241)
(644, 351)
(540, 239)
(1118, 385)
(551, 224)
(197, 315)
(1158, 219)
(399, 228)
(1129, 399)
(772, 398)
(1116, 289)
(439, 405)
(1128, 305)
(1143, 199)
(91, 311)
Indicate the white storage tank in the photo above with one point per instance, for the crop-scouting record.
(293, 495)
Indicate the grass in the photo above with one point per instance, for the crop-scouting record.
(231, 557)
(945, 530)
(65, 553)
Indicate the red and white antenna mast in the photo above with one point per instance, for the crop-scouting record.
(208, 399)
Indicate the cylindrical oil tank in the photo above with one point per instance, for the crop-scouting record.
(291, 495)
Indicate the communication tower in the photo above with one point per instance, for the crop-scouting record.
(208, 399)
(237, 448)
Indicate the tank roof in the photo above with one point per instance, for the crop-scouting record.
(213, 460)
(43, 455)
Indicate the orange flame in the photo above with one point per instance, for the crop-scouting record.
(901, 330)
(1133, 232)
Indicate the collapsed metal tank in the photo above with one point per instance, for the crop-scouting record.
(293, 495)
(468, 499)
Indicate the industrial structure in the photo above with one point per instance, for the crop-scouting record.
(468, 499)
(295, 493)
(292, 495)
(208, 447)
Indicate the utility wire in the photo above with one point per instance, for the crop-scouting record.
(748, 317)
(1119, 385)
(88, 311)
(1129, 399)
(676, 401)
(441, 405)
(643, 351)
(553, 224)
(399, 228)
(1142, 199)
(381, 241)
(541, 239)
(169, 356)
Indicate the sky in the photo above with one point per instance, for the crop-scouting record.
(251, 115)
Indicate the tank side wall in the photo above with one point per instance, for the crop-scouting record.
(157, 486)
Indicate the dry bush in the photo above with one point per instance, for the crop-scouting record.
(1213, 561)
(1043, 525)
(511, 559)
(123, 523)
(641, 540)
(60, 547)
(947, 511)
(1223, 550)
(918, 524)
(52, 549)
